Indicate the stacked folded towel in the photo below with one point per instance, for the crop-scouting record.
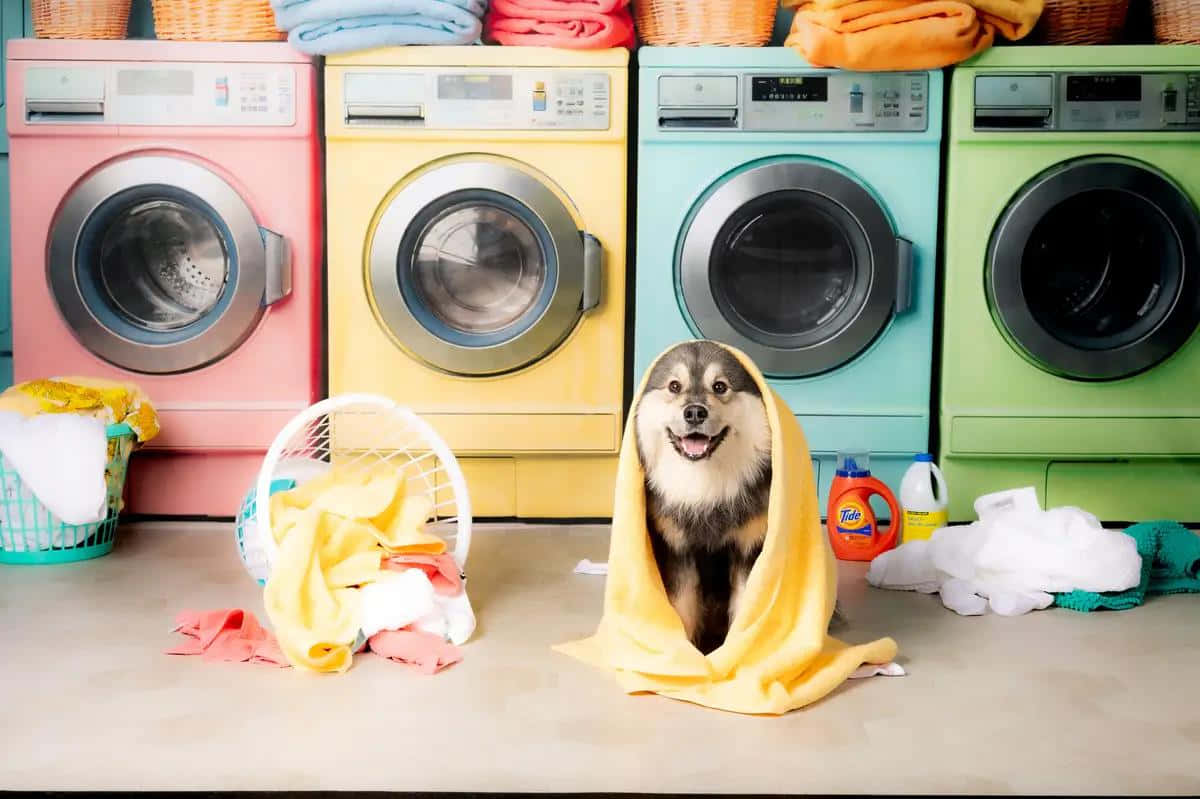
(321, 27)
(904, 34)
(578, 24)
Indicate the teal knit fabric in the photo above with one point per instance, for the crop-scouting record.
(1170, 565)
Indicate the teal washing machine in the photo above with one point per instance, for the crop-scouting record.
(791, 212)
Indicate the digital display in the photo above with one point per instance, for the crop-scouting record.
(475, 87)
(1104, 88)
(790, 89)
(155, 83)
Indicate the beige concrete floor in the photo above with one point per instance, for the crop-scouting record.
(1052, 702)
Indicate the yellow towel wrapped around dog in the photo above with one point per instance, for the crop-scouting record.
(332, 533)
(778, 655)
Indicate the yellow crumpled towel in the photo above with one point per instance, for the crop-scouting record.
(112, 401)
(904, 34)
(778, 655)
(332, 533)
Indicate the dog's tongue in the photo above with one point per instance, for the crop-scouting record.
(695, 445)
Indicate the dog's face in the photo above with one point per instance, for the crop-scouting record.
(701, 425)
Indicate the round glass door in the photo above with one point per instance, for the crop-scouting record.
(162, 264)
(794, 263)
(158, 265)
(786, 266)
(477, 268)
(1088, 271)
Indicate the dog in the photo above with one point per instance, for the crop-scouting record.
(705, 445)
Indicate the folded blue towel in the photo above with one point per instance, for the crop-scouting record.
(321, 27)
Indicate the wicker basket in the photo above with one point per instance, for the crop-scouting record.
(745, 23)
(1177, 21)
(216, 21)
(80, 19)
(1083, 21)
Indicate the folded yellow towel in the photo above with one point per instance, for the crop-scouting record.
(109, 400)
(778, 655)
(332, 534)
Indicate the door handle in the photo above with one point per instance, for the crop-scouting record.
(904, 275)
(593, 271)
(279, 266)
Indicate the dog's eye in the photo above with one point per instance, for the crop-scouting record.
(674, 387)
(720, 387)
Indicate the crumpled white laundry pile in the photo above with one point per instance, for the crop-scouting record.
(408, 600)
(60, 459)
(1013, 558)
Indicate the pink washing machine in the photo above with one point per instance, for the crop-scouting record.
(166, 224)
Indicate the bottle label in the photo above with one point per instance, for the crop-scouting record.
(919, 525)
(854, 523)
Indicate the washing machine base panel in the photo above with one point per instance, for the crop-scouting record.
(190, 483)
(1114, 489)
(541, 487)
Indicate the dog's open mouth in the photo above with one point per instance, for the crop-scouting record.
(696, 446)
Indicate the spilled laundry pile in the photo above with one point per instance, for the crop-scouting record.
(354, 569)
(1014, 559)
(323, 27)
(882, 35)
(575, 24)
(55, 446)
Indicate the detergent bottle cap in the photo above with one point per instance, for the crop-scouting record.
(923, 457)
(853, 464)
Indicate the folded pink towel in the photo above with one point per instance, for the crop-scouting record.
(424, 652)
(578, 24)
(441, 570)
(231, 635)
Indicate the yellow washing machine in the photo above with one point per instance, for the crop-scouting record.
(476, 202)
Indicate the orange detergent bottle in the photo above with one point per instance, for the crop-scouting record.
(853, 529)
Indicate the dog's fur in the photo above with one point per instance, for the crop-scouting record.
(706, 498)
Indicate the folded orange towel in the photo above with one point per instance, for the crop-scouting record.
(576, 24)
(885, 35)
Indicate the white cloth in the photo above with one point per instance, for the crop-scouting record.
(452, 618)
(892, 669)
(407, 599)
(60, 458)
(395, 600)
(586, 566)
(1013, 558)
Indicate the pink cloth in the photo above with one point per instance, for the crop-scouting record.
(441, 570)
(578, 24)
(427, 653)
(234, 635)
(230, 635)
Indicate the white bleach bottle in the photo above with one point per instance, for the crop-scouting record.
(924, 498)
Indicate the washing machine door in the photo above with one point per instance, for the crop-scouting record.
(477, 267)
(795, 263)
(1092, 269)
(158, 266)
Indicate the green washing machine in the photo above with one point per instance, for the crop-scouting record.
(1070, 359)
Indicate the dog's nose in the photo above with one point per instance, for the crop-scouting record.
(695, 414)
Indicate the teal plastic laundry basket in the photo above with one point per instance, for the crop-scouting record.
(31, 534)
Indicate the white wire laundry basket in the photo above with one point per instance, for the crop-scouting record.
(367, 432)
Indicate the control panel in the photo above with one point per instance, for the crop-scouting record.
(173, 94)
(795, 101)
(488, 99)
(1088, 101)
